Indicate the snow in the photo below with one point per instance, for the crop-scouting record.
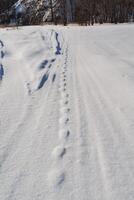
(1, 57)
(67, 113)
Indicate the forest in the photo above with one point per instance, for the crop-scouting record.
(84, 12)
(104, 11)
(6, 5)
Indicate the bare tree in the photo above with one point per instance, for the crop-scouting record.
(52, 11)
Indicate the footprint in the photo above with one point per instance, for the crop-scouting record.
(64, 120)
(63, 95)
(43, 81)
(68, 110)
(56, 178)
(1, 71)
(1, 43)
(64, 110)
(61, 179)
(64, 134)
(67, 120)
(50, 66)
(28, 88)
(66, 102)
(53, 60)
(2, 54)
(67, 95)
(61, 81)
(43, 64)
(63, 102)
(63, 85)
(62, 88)
(68, 134)
(54, 77)
(59, 152)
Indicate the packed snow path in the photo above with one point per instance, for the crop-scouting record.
(67, 113)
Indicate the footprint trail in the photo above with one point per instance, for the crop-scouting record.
(58, 174)
(1, 58)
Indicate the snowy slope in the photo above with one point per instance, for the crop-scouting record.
(67, 113)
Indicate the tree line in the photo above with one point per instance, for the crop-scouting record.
(6, 5)
(84, 12)
(104, 11)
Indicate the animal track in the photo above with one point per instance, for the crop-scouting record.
(59, 152)
(61, 178)
(64, 134)
(64, 110)
(28, 88)
(63, 120)
(1, 71)
(56, 178)
(1, 43)
(2, 54)
(58, 48)
(68, 110)
(43, 80)
(66, 102)
(64, 95)
(45, 67)
(65, 84)
(67, 120)
(43, 64)
(1, 57)
(54, 77)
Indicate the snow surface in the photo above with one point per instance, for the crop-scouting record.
(67, 113)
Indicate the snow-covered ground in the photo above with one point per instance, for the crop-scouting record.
(67, 113)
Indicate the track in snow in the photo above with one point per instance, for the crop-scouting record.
(66, 113)
(1, 57)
